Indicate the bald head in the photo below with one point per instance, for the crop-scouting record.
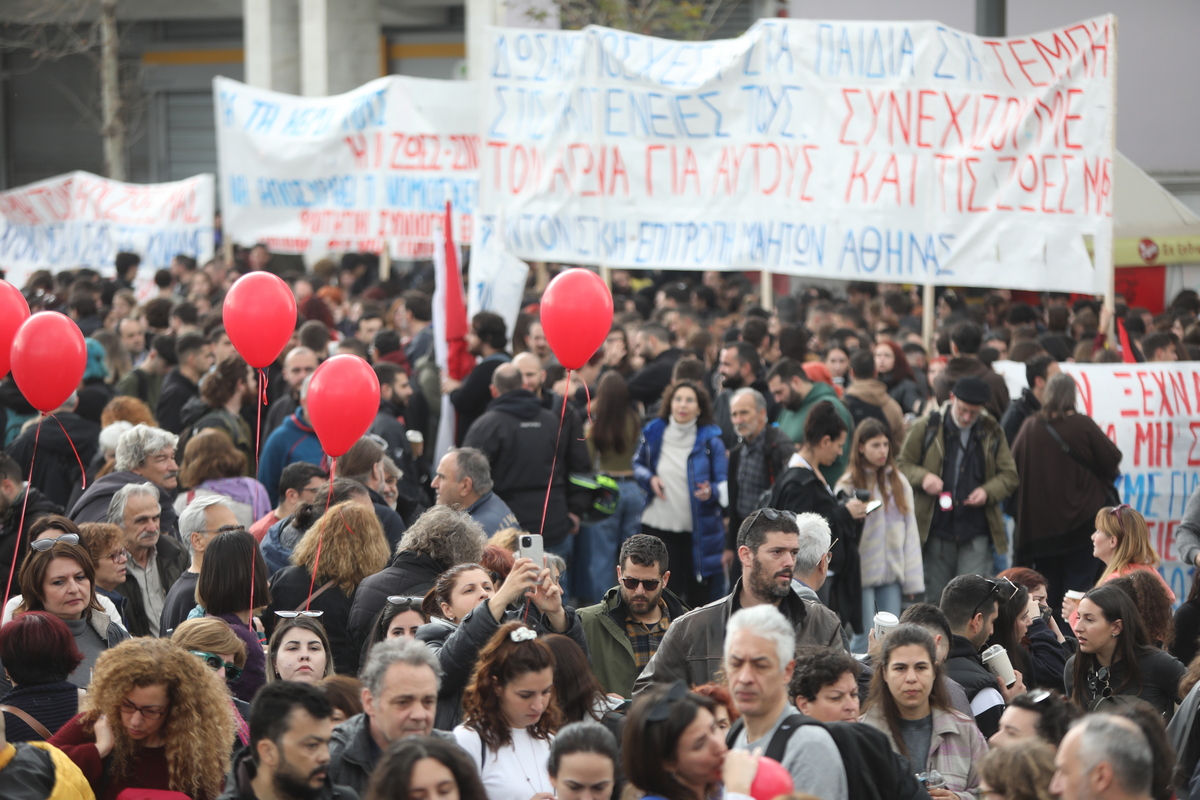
(505, 379)
(532, 374)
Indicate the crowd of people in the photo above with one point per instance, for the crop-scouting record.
(800, 532)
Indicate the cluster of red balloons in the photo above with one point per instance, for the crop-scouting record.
(45, 351)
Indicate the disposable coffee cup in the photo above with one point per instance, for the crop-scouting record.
(884, 622)
(995, 658)
(1074, 595)
(414, 436)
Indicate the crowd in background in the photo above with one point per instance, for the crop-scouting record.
(799, 528)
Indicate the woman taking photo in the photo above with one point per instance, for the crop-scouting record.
(1115, 656)
(1061, 492)
(908, 702)
(510, 715)
(467, 610)
(60, 579)
(1033, 650)
(349, 542)
(232, 577)
(583, 762)
(673, 749)
(889, 549)
(681, 465)
(155, 718)
(612, 441)
(212, 465)
(38, 652)
(423, 768)
(299, 651)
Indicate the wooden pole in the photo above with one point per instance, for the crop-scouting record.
(385, 261)
(766, 290)
(928, 314)
(1106, 255)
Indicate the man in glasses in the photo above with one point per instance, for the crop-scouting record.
(971, 604)
(625, 629)
(769, 545)
(203, 519)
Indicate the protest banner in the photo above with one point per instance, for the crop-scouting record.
(496, 282)
(82, 220)
(887, 151)
(346, 173)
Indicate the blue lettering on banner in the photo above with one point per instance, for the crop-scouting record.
(900, 253)
(367, 112)
(334, 192)
(410, 192)
(849, 51)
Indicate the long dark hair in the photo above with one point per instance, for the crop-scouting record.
(393, 776)
(647, 745)
(904, 635)
(1132, 642)
(705, 417)
(612, 415)
(500, 662)
(901, 369)
(887, 477)
(576, 689)
(233, 569)
(1004, 633)
(1153, 604)
(32, 577)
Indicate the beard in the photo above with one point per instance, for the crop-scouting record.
(643, 604)
(732, 382)
(765, 586)
(288, 783)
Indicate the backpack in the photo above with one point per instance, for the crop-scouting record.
(873, 770)
(860, 409)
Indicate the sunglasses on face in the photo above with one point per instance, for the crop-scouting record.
(632, 584)
(215, 662)
(42, 545)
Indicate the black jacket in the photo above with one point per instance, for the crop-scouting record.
(779, 449)
(457, 649)
(799, 490)
(352, 756)
(92, 505)
(471, 399)
(289, 591)
(38, 506)
(518, 437)
(964, 665)
(409, 575)
(56, 468)
(393, 526)
(172, 560)
(1019, 409)
(414, 479)
(237, 782)
(176, 391)
(647, 384)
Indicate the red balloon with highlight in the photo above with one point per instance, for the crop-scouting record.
(13, 312)
(260, 317)
(771, 780)
(576, 316)
(48, 358)
(343, 399)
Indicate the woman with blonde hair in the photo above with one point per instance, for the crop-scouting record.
(349, 543)
(1019, 771)
(212, 465)
(154, 718)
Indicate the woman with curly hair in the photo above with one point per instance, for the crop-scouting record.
(155, 718)
(212, 465)
(1153, 604)
(349, 542)
(725, 712)
(511, 714)
(1020, 771)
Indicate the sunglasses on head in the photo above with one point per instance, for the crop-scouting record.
(215, 662)
(42, 545)
(1004, 589)
(662, 709)
(294, 614)
(632, 584)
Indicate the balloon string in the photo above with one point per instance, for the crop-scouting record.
(554, 463)
(82, 471)
(317, 559)
(588, 394)
(21, 525)
(262, 401)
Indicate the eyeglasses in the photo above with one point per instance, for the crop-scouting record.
(662, 709)
(215, 662)
(149, 713)
(832, 544)
(632, 584)
(772, 514)
(294, 614)
(42, 545)
(120, 556)
(1003, 588)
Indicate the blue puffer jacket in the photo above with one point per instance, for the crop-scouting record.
(708, 463)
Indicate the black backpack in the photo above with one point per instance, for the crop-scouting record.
(860, 409)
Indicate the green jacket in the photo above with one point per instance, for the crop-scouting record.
(792, 423)
(999, 471)
(608, 644)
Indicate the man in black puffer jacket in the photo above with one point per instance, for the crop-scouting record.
(518, 436)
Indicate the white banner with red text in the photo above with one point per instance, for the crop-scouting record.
(82, 220)
(346, 173)
(886, 151)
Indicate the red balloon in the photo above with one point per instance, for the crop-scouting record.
(13, 311)
(343, 399)
(771, 780)
(576, 316)
(259, 316)
(48, 359)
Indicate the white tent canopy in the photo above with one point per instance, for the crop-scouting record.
(1143, 208)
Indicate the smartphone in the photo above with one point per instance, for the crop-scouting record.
(874, 504)
(529, 545)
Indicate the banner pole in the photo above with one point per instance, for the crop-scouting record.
(1110, 290)
(766, 290)
(928, 313)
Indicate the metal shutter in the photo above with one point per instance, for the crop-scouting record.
(191, 135)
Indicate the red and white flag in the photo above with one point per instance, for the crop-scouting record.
(450, 325)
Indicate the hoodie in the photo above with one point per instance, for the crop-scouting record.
(92, 505)
(294, 440)
(875, 392)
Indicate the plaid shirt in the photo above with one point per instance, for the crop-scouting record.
(646, 638)
(752, 476)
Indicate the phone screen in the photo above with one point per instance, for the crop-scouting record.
(874, 504)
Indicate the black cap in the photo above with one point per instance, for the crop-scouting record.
(973, 390)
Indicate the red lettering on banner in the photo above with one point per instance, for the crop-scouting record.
(953, 122)
(849, 114)
(1067, 117)
(1000, 59)
(1012, 48)
(922, 116)
(1193, 460)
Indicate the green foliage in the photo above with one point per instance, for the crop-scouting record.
(671, 19)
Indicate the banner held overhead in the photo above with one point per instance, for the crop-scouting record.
(884, 151)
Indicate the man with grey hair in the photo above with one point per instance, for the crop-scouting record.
(145, 455)
(204, 518)
(812, 559)
(294, 440)
(759, 457)
(155, 561)
(760, 647)
(464, 479)
(1103, 757)
(399, 697)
